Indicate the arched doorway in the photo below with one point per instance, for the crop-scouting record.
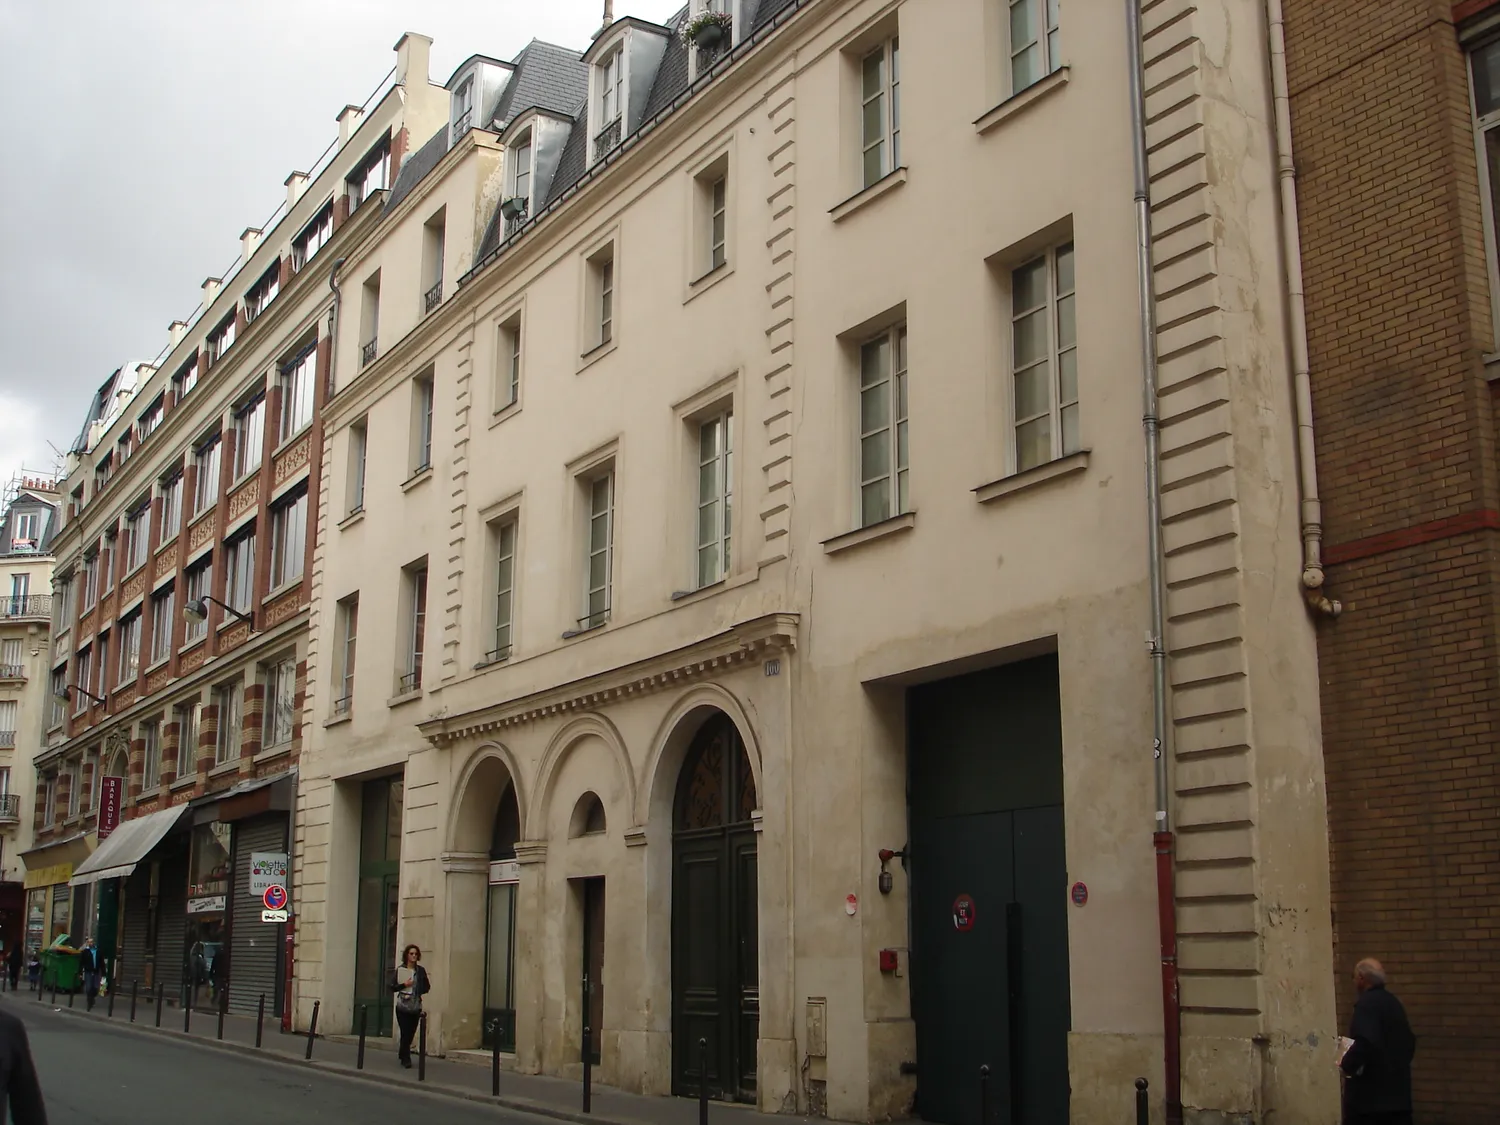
(500, 926)
(715, 953)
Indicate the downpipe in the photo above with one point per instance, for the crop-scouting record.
(1163, 843)
(333, 325)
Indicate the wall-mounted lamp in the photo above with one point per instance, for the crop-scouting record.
(196, 611)
(886, 880)
(68, 691)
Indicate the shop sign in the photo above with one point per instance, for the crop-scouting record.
(48, 876)
(110, 792)
(208, 904)
(505, 871)
(267, 870)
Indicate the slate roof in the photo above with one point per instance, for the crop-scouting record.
(547, 77)
(415, 168)
(671, 73)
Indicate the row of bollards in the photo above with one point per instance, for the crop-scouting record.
(1142, 1097)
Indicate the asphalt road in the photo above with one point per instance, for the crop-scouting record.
(92, 1075)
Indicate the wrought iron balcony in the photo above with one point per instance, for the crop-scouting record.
(12, 671)
(366, 353)
(463, 123)
(409, 683)
(36, 605)
(341, 705)
(607, 139)
(7, 739)
(10, 808)
(432, 298)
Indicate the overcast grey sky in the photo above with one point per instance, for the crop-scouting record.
(142, 136)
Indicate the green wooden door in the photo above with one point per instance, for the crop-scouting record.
(379, 903)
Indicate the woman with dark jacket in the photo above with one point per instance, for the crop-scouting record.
(410, 984)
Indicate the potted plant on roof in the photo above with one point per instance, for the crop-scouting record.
(708, 30)
(513, 208)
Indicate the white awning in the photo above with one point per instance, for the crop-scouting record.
(126, 846)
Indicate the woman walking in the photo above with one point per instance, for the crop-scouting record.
(410, 984)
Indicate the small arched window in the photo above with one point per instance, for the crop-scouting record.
(588, 816)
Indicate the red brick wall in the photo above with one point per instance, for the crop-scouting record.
(1398, 317)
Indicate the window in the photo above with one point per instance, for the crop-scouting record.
(59, 685)
(369, 319)
(416, 627)
(84, 678)
(434, 235)
(227, 698)
(520, 180)
(102, 472)
(718, 196)
(611, 94)
(49, 799)
(90, 581)
(463, 108)
(372, 175)
(150, 418)
(137, 536)
(199, 586)
(122, 449)
(281, 693)
(74, 773)
(75, 503)
(505, 588)
(206, 492)
(715, 497)
(1035, 42)
(8, 720)
(171, 505)
(288, 540)
(162, 620)
(601, 276)
(129, 648)
(359, 436)
(10, 657)
(508, 364)
(239, 572)
(187, 377)
(249, 435)
(63, 603)
(91, 786)
(312, 238)
(600, 547)
(151, 755)
(882, 427)
(880, 110)
(421, 424)
(102, 666)
(297, 392)
(1044, 359)
(220, 339)
(188, 715)
(4, 780)
(348, 631)
(263, 292)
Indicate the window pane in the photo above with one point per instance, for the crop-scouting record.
(1028, 287)
(708, 522)
(1065, 268)
(875, 455)
(874, 73)
(875, 502)
(874, 120)
(1066, 332)
(874, 362)
(874, 161)
(1487, 78)
(1031, 392)
(596, 570)
(1492, 156)
(1022, 24)
(1029, 338)
(1025, 68)
(1070, 429)
(1067, 377)
(1034, 443)
(708, 564)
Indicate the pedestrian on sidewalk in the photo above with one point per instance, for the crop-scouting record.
(1377, 1053)
(13, 966)
(19, 1087)
(92, 966)
(410, 984)
(34, 970)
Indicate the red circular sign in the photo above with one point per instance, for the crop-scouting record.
(274, 898)
(963, 913)
(1080, 894)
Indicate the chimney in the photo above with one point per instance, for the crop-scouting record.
(249, 240)
(176, 331)
(412, 53)
(210, 291)
(296, 184)
(349, 119)
(609, 13)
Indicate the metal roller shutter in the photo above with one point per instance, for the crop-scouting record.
(137, 911)
(171, 926)
(254, 946)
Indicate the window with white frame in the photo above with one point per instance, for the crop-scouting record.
(718, 203)
(49, 799)
(599, 545)
(151, 755)
(414, 641)
(129, 647)
(102, 665)
(348, 634)
(421, 424)
(434, 247)
(239, 572)
(373, 174)
(601, 278)
(220, 339)
(59, 685)
(715, 520)
(74, 773)
(288, 539)
(4, 780)
(297, 392)
(463, 107)
(137, 536)
(883, 468)
(611, 103)
(369, 319)
(880, 111)
(9, 722)
(150, 418)
(206, 460)
(10, 657)
(187, 377)
(508, 363)
(359, 437)
(162, 620)
(1044, 360)
(1035, 41)
(313, 237)
(249, 435)
(228, 699)
(503, 536)
(170, 491)
(520, 172)
(200, 578)
(280, 679)
(90, 580)
(187, 715)
(64, 603)
(23, 530)
(83, 677)
(263, 292)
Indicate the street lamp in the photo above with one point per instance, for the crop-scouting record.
(196, 611)
(68, 690)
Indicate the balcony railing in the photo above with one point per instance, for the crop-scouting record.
(366, 353)
(341, 705)
(7, 739)
(10, 808)
(432, 298)
(409, 683)
(36, 605)
(12, 671)
(606, 139)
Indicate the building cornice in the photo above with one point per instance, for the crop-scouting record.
(722, 652)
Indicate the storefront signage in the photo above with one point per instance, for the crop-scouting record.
(273, 915)
(208, 904)
(48, 876)
(267, 869)
(111, 789)
(505, 871)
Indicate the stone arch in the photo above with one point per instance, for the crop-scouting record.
(557, 750)
(669, 747)
(589, 817)
(471, 815)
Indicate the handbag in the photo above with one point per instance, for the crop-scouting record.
(408, 999)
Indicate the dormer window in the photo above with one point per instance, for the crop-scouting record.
(519, 200)
(220, 339)
(611, 103)
(373, 174)
(151, 418)
(312, 238)
(187, 378)
(263, 292)
(463, 108)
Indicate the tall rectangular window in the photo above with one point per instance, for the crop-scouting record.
(75, 787)
(880, 110)
(10, 658)
(372, 175)
(1035, 42)
(297, 392)
(611, 89)
(280, 679)
(434, 244)
(187, 716)
(263, 292)
(49, 800)
(369, 319)
(718, 205)
(9, 722)
(312, 238)
(101, 669)
(171, 506)
(84, 678)
(90, 580)
(883, 491)
(348, 631)
(715, 497)
(521, 183)
(199, 586)
(129, 646)
(137, 536)
(228, 700)
(59, 686)
(221, 339)
(416, 628)
(505, 588)
(162, 618)
(1044, 359)
(359, 436)
(187, 377)
(508, 364)
(151, 755)
(239, 573)
(601, 267)
(249, 436)
(150, 418)
(599, 576)
(288, 540)
(463, 108)
(421, 424)
(206, 492)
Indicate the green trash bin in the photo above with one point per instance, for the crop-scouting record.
(61, 967)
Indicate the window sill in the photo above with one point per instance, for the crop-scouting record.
(337, 720)
(244, 478)
(569, 634)
(728, 582)
(224, 768)
(1018, 103)
(190, 644)
(404, 698)
(495, 663)
(418, 477)
(595, 354)
(293, 436)
(508, 411)
(274, 752)
(352, 518)
(866, 196)
(187, 781)
(160, 662)
(276, 592)
(862, 535)
(167, 542)
(1032, 478)
(703, 283)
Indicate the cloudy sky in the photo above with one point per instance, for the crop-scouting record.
(144, 136)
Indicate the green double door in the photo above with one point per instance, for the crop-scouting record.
(375, 950)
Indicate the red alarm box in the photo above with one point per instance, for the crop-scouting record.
(888, 961)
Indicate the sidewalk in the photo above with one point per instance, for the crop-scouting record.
(557, 1098)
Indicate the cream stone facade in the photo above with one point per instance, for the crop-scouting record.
(522, 501)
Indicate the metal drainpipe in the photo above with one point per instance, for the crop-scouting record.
(333, 320)
(1162, 839)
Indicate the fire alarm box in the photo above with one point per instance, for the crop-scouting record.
(888, 962)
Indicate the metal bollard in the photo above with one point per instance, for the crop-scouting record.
(187, 1013)
(588, 1074)
(71, 992)
(109, 1008)
(260, 1018)
(54, 990)
(494, 1058)
(359, 1059)
(312, 1028)
(223, 1008)
(422, 1047)
(135, 988)
(1142, 1103)
(984, 1095)
(703, 1082)
(161, 988)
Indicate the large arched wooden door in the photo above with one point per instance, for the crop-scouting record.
(715, 952)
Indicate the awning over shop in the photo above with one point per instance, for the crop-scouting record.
(126, 846)
(54, 862)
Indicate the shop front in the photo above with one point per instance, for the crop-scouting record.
(53, 908)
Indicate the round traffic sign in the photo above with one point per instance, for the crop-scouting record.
(275, 897)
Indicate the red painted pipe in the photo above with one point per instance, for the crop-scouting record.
(1171, 1003)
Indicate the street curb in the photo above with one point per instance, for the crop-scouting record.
(521, 1105)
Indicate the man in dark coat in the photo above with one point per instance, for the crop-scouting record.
(19, 1087)
(1377, 1063)
(92, 966)
(13, 966)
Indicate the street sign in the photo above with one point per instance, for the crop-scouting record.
(273, 915)
(267, 869)
(274, 898)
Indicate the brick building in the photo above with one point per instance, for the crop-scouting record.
(1398, 228)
